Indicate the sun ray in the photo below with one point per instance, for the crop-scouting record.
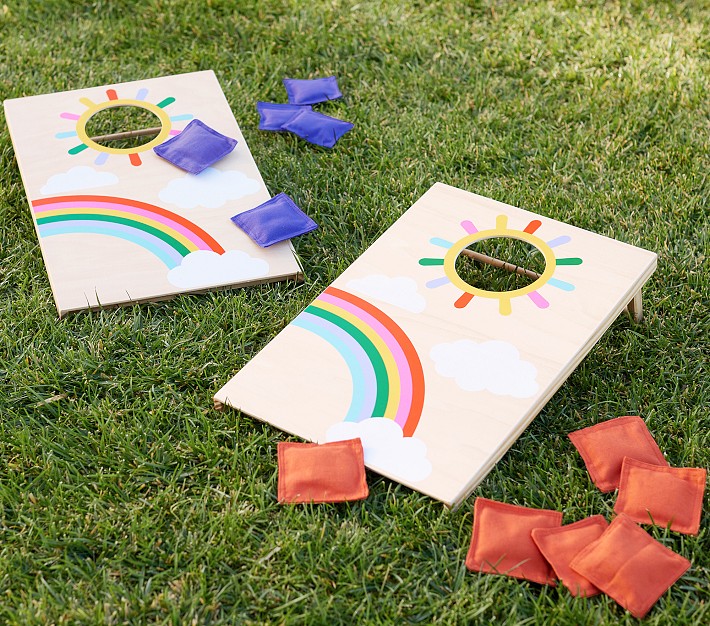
(66, 134)
(502, 222)
(163, 103)
(442, 243)
(504, 307)
(469, 227)
(135, 159)
(463, 300)
(532, 227)
(559, 241)
(69, 116)
(111, 94)
(77, 149)
(142, 93)
(539, 301)
(438, 282)
(175, 132)
(560, 284)
(181, 118)
(102, 158)
(573, 260)
(87, 103)
(429, 261)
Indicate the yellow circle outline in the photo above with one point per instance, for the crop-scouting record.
(461, 244)
(123, 102)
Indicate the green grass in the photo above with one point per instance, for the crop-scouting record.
(125, 499)
(119, 120)
(518, 254)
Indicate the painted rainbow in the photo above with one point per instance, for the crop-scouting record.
(167, 235)
(387, 375)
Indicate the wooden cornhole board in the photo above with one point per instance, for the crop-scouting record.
(120, 225)
(437, 377)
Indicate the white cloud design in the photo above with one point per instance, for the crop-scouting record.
(204, 268)
(211, 188)
(386, 449)
(79, 177)
(399, 291)
(494, 366)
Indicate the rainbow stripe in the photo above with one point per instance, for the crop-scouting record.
(167, 235)
(387, 375)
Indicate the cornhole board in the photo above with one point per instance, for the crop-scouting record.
(120, 225)
(436, 376)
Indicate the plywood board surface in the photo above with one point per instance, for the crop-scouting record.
(437, 377)
(119, 225)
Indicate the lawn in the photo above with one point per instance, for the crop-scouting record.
(126, 499)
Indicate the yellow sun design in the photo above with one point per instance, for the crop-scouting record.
(501, 229)
(113, 100)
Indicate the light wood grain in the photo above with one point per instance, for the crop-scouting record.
(465, 431)
(93, 271)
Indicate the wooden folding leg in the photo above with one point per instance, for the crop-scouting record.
(635, 308)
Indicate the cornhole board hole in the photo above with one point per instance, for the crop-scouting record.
(119, 224)
(437, 376)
